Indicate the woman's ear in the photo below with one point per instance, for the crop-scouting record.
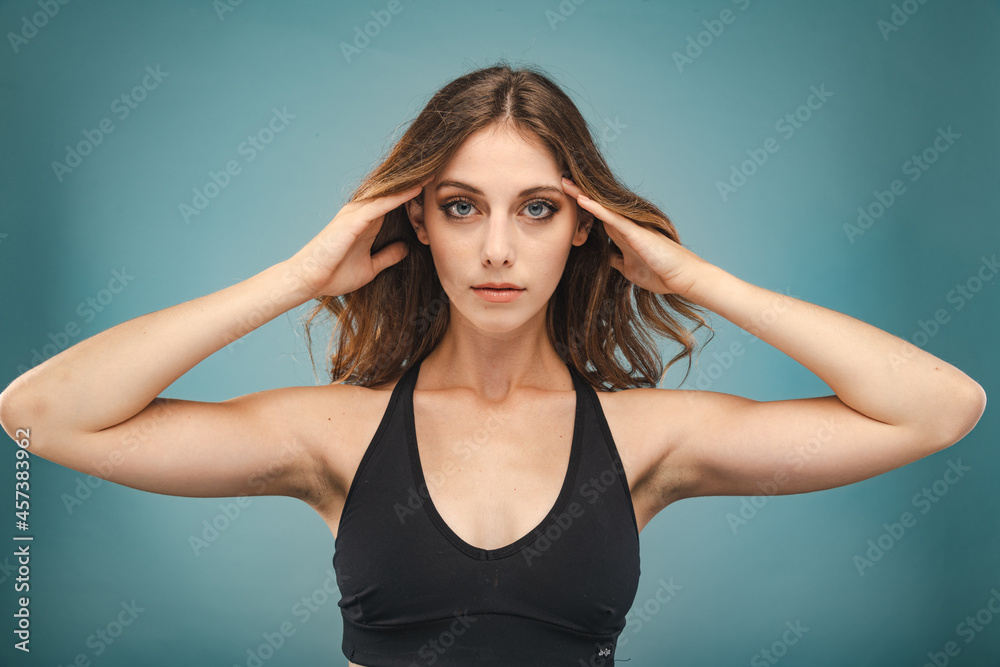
(415, 212)
(585, 220)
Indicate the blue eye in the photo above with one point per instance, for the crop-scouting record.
(448, 205)
(535, 209)
(535, 205)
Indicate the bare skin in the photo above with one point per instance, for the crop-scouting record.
(97, 408)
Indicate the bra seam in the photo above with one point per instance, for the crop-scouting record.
(404, 626)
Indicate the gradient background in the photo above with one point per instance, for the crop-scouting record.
(679, 131)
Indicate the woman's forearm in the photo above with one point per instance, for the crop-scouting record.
(870, 370)
(107, 378)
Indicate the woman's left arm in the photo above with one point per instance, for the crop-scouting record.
(871, 371)
(894, 402)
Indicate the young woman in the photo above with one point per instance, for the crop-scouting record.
(487, 279)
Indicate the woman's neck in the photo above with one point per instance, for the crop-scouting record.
(495, 365)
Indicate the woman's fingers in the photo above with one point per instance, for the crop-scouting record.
(649, 259)
(370, 209)
(617, 227)
(339, 260)
(389, 255)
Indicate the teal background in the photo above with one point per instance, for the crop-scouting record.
(680, 129)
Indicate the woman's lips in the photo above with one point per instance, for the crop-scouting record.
(497, 295)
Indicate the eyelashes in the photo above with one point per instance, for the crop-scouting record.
(446, 208)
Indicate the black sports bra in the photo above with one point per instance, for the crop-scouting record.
(414, 593)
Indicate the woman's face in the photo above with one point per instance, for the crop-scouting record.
(496, 213)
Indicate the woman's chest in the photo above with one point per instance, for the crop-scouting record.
(492, 473)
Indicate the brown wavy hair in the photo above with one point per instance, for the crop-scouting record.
(401, 315)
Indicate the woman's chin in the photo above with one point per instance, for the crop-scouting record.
(497, 319)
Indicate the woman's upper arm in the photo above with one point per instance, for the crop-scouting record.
(719, 444)
(265, 443)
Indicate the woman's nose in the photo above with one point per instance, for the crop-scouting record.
(498, 246)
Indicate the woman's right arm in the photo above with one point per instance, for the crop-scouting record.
(95, 407)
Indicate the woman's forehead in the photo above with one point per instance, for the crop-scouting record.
(500, 158)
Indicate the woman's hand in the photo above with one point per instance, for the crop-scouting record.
(339, 259)
(647, 258)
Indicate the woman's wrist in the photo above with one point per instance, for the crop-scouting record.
(704, 282)
(288, 284)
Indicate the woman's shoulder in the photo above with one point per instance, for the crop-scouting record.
(332, 416)
(347, 399)
(636, 414)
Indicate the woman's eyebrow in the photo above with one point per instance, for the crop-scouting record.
(477, 191)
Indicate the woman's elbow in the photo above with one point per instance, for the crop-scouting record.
(964, 412)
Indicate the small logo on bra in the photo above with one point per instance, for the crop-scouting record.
(601, 657)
